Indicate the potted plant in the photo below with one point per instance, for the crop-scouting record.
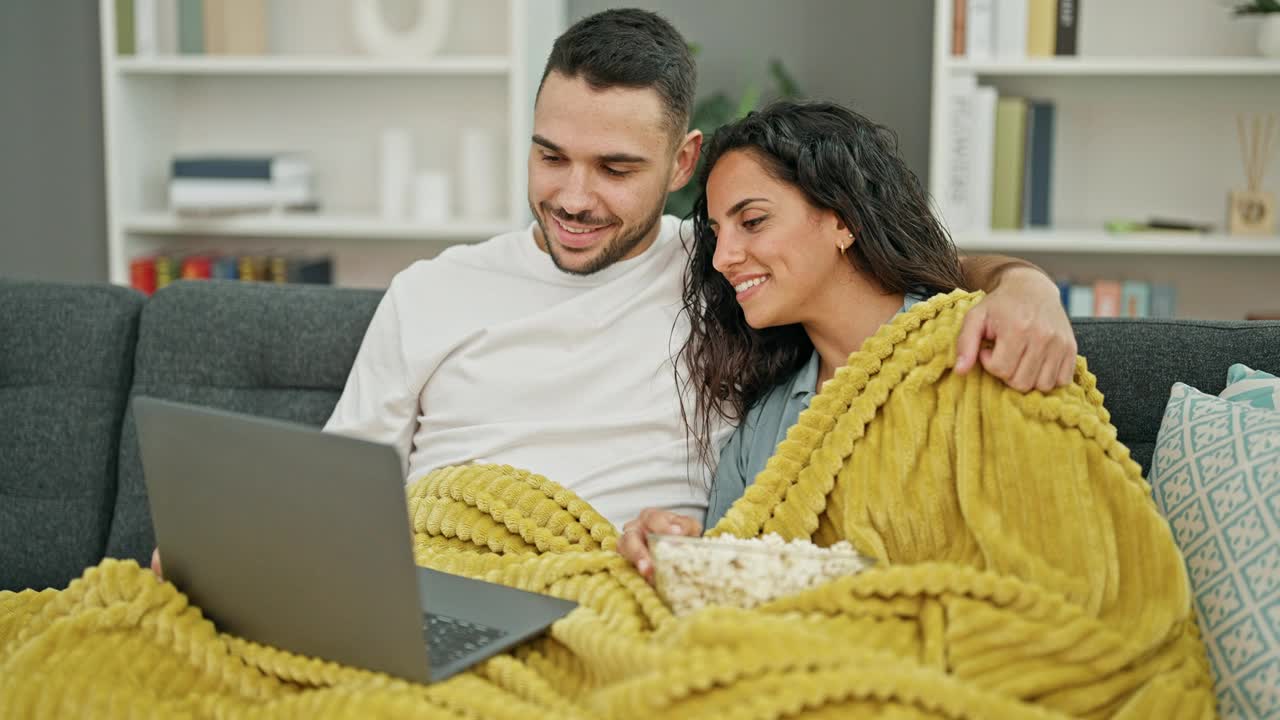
(1269, 33)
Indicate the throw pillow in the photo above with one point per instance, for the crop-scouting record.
(1259, 389)
(1216, 477)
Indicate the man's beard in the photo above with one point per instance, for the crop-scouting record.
(617, 249)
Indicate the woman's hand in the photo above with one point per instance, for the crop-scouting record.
(1033, 342)
(634, 545)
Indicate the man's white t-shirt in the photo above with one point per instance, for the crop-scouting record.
(488, 353)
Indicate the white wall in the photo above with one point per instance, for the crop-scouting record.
(872, 55)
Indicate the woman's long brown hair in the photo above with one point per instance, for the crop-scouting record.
(840, 161)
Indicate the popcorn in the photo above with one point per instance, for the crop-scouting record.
(693, 572)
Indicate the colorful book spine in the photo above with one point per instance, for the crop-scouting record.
(197, 267)
(276, 168)
(1010, 29)
(142, 274)
(959, 13)
(1038, 175)
(166, 270)
(1042, 27)
(191, 27)
(979, 27)
(1135, 299)
(226, 268)
(1163, 301)
(146, 27)
(1065, 40)
(1009, 163)
(1106, 298)
(1080, 303)
(125, 44)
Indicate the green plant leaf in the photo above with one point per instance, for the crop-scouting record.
(787, 86)
(750, 99)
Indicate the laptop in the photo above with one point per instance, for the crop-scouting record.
(300, 539)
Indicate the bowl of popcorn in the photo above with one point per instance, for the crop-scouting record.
(691, 573)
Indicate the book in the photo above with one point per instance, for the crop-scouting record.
(196, 194)
(146, 27)
(300, 269)
(1065, 40)
(226, 267)
(197, 267)
(142, 274)
(979, 27)
(252, 268)
(284, 166)
(1135, 299)
(1037, 196)
(1042, 27)
(958, 14)
(235, 27)
(213, 13)
(1163, 301)
(1011, 29)
(958, 192)
(191, 27)
(166, 270)
(311, 270)
(984, 145)
(1106, 298)
(1080, 301)
(1064, 289)
(124, 28)
(1008, 163)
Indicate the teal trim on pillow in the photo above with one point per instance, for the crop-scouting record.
(1253, 387)
(1215, 475)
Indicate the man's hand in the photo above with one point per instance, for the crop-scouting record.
(1033, 344)
(155, 563)
(634, 544)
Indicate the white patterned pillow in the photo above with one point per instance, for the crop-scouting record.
(1216, 477)
(1259, 389)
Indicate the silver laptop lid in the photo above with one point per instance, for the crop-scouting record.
(285, 535)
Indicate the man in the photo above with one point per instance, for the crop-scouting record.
(551, 348)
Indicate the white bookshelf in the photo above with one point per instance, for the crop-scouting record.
(1104, 243)
(1145, 128)
(1118, 66)
(496, 65)
(304, 226)
(316, 93)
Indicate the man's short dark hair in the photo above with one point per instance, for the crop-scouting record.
(629, 48)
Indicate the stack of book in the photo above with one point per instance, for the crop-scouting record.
(1115, 298)
(999, 160)
(191, 27)
(204, 184)
(152, 272)
(1014, 29)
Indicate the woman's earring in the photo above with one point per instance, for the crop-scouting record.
(846, 245)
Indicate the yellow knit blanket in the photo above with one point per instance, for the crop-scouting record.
(1025, 572)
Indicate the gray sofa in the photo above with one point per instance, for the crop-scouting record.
(71, 489)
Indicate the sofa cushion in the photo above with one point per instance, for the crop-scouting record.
(279, 351)
(66, 357)
(1216, 477)
(1138, 361)
(1257, 388)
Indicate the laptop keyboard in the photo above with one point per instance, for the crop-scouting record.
(449, 638)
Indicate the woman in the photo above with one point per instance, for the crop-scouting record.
(810, 233)
(1018, 549)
